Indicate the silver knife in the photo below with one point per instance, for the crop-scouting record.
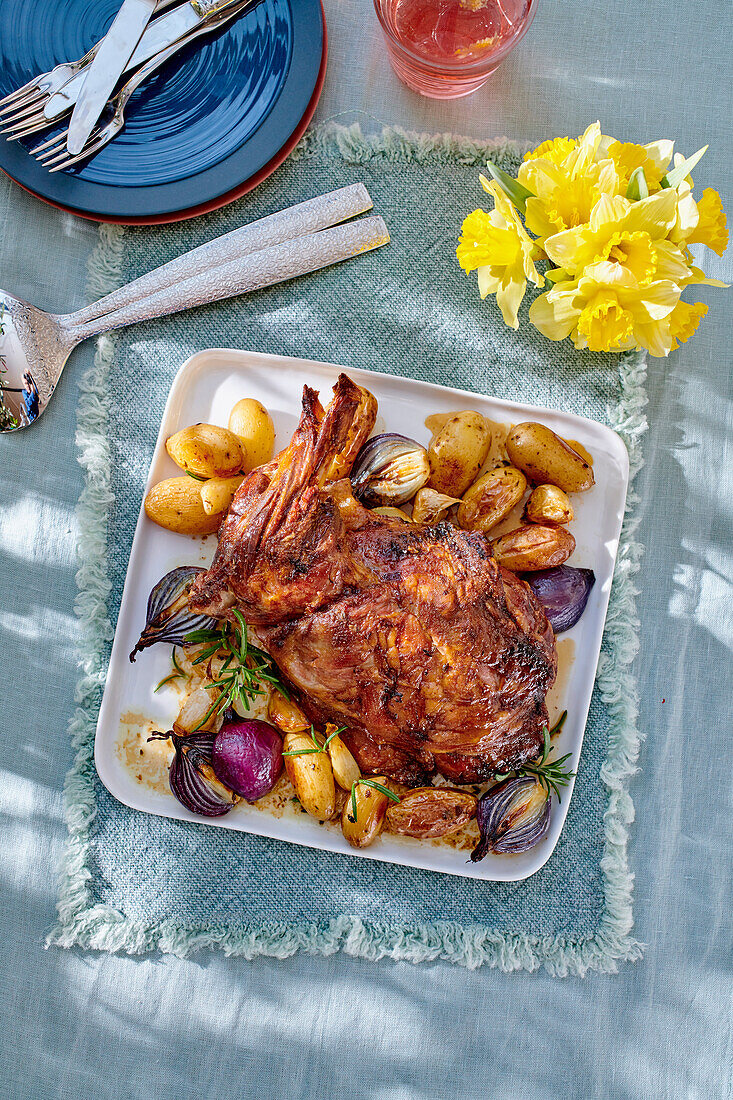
(162, 32)
(106, 69)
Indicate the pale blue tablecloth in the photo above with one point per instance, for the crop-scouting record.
(85, 1025)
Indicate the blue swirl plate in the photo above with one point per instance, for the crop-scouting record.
(210, 122)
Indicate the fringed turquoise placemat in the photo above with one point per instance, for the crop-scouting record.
(134, 882)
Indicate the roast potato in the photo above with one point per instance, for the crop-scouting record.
(491, 498)
(533, 547)
(176, 505)
(371, 806)
(252, 424)
(457, 452)
(548, 504)
(430, 811)
(311, 776)
(218, 493)
(206, 450)
(545, 457)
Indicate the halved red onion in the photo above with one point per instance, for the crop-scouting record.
(192, 778)
(563, 593)
(168, 617)
(248, 757)
(512, 817)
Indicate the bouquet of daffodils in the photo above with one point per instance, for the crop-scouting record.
(614, 223)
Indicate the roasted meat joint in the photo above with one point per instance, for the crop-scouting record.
(433, 656)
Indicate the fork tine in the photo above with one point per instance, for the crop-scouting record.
(89, 149)
(30, 108)
(12, 96)
(45, 144)
(10, 109)
(30, 126)
(53, 156)
(49, 156)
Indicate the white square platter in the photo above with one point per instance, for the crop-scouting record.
(205, 389)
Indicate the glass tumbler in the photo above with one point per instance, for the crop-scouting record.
(448, 48)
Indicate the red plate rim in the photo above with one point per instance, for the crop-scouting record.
(229, 196)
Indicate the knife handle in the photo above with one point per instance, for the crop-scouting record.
(261, 269)
(306, 217)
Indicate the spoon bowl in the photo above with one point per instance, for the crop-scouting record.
(34, 347)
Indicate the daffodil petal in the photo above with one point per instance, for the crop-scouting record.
(656, 338)
(660, 154)
(555, 314)
(487, 283)
(653, 302)
(509, 296)
(655, 215)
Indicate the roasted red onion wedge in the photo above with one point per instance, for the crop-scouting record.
(512, 817)
(248, 757)
(168, 617)
(192, 778)
(563, 593)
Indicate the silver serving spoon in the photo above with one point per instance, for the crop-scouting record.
(35, 345)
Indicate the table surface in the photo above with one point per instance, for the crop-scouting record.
(92, 1025)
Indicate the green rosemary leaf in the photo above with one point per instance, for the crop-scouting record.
(196, 477)
(559, 724)
(379, 787)
(166, 680)
(176, 665)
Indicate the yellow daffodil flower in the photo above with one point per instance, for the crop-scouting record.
(555, 150)
(605, 310)
(711, 228)
(498, 247)
(564, 191)
(619, 262)
(623, 232)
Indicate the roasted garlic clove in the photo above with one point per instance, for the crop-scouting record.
(430, 506)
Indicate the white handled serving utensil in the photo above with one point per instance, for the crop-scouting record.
(35, 345)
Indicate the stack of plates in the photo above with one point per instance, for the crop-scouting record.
(208, 127)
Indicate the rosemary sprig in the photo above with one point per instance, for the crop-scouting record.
(196, 477)
(244, 667)
(317, 746)
(550, 773)
(368, 783)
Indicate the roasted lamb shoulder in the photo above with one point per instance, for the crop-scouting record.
(432, 655)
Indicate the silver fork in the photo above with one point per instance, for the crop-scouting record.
(23, 108)
(24, 101)
(52, 153)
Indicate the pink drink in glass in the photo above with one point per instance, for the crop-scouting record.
(448, 48)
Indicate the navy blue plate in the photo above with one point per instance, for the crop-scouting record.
(208, 121)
